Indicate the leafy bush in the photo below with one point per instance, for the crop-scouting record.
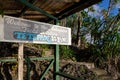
(67, 53)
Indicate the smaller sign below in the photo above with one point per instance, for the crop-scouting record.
(26, 31)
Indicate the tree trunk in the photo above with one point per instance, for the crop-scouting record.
(78, 30)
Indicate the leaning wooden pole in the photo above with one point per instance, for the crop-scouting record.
(20, 61)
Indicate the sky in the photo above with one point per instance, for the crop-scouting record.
(104, 5)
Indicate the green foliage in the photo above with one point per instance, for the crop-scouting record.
(42, 46)
(104, 35)
(67, 53)
(106, 40)
(15, 67)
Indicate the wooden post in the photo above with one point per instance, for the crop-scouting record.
(20, 61)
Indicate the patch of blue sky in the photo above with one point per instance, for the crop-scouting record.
(115, 10)
(103, 5)
(96, 12)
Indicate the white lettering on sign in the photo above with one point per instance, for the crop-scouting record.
(16, 23)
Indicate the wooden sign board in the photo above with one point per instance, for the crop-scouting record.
(26, 31)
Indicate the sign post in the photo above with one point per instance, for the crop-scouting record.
(20, 61)
(56, 57)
